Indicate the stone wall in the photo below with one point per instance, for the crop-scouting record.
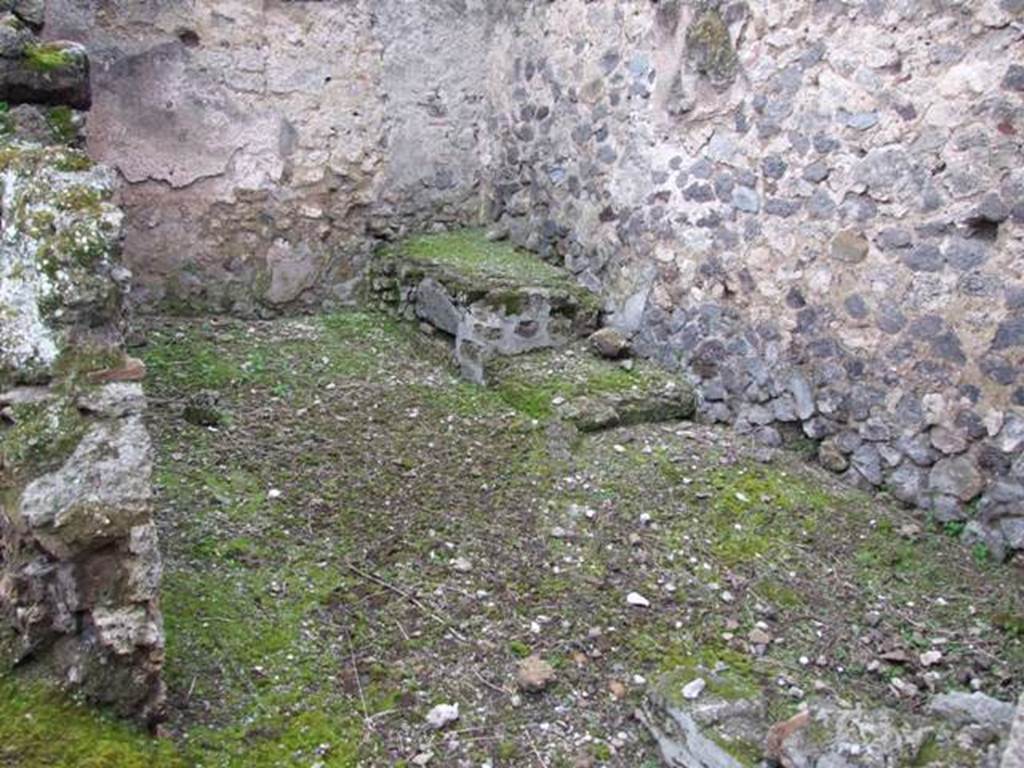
(816, 209)
(79, 562)
(265, 146)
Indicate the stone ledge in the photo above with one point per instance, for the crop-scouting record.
(494, 299)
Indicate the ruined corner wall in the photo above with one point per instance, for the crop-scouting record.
(264, 147)
(79, 562)
(816, 209)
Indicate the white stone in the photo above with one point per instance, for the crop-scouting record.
(693, 689)
(637, 600)
(442, 715)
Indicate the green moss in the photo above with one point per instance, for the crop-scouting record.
(82, 199)
(43, 435)
(683, 660)
(779, 594)
(6, 121)
(602, 752)
(47, 57)
(761, 511)
(470, 252)
(531, 386)
(519, 649)
(39, 727)
(62, 124)
(744, 752)
(710, 47)
(73, 161)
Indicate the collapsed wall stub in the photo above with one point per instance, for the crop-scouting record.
(79, 561)
(814, 210)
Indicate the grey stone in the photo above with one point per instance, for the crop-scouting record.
(850, 247)
(112, 401)
(867, 462)
(1011, 437)
(944, 509)
(609, 343)
(746, 199)
(990, 209)
(434, 305)
(863, 121)
(293, 270)
(783, 208)
(709, 48)
(890, 319)
(1009, 334)
(875, 430)
(699, 193)
(1013, 80)
(832, 457)
(893, 238)
(699, 731)
(991, 541)
(923, 258)
(774, 167)
(957, 477)
(828, 736)
(32, 12)
(821, 205)
(66, 84)
(948, 441)
(964, 254)
(1013, 757)
(768, 437)
(977, 709)
(856, 307)
(1012, 529)
(13, 40)
(803, 396)
(816, 172)
(906, 483)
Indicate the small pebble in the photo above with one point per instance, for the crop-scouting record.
(638, 600)
(694, 689)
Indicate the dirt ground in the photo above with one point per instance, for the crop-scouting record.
(353, 536)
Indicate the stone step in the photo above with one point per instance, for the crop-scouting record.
(494, 299)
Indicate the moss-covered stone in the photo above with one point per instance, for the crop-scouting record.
(58, 256)
(710, 47)
(48, 57)
(63, 124)
(41, 437)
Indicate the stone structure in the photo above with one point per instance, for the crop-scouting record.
(79, 562)
(493, 300)
(264, 146)
(715, 730)
(814, 209)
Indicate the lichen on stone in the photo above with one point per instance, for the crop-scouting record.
(58, 250)
(710, 47)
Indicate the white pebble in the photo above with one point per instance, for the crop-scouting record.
(638, 600)
(694, 689)
(442, 715)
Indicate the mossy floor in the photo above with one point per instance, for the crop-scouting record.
(365, 537)
(469, 253)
